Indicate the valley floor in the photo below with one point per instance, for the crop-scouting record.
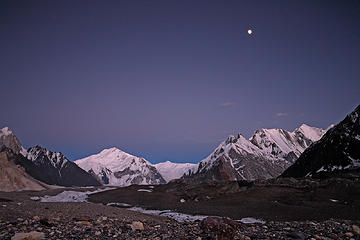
(290, 210)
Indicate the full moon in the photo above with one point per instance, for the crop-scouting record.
(249, 31)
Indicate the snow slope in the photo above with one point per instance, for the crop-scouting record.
(280, 143)
(170, 170)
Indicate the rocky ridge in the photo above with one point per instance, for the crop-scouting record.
(14, 177)
(337, 151)
(54, 168)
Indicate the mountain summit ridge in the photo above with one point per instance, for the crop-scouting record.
(264, 155)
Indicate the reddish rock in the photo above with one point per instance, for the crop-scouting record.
(219, 227)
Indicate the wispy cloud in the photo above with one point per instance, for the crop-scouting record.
(227, 104)
(281, 114)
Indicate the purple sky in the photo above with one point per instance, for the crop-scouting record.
(168, 80)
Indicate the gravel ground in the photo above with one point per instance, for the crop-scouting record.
(20, 215)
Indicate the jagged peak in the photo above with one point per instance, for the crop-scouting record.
(5, 131)
(234, 139)
(55, 158)
(305, 127)
(230, 138)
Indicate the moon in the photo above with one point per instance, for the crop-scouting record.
(249, 31)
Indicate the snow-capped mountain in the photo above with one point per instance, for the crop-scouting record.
(265, 155)
(337, 151)
(115, 167)
(54, 168)
(170, 170)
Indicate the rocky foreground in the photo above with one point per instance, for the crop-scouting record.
(22, 216)
(104, 227)
(27, 219)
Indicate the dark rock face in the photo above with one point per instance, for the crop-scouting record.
(54, 168)
(221, 170)
(337, 151)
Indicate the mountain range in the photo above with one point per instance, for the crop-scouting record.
(48, 167)
(265, 155)
(305, 152)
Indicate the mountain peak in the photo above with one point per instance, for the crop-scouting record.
(5, 131)
(9, 140)
(312, 133)
(304, 125)
(116, 167)
(110, 150)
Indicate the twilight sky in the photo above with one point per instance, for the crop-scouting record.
(169, 80)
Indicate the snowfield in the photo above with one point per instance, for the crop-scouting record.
(71, 196)
(170, 170)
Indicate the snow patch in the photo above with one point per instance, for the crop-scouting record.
(122, 205)
(35, 198)
(250, 220)
(72, 196)
(180, 217)
(144, 190)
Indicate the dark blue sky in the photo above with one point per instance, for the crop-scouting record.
(168, 80)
